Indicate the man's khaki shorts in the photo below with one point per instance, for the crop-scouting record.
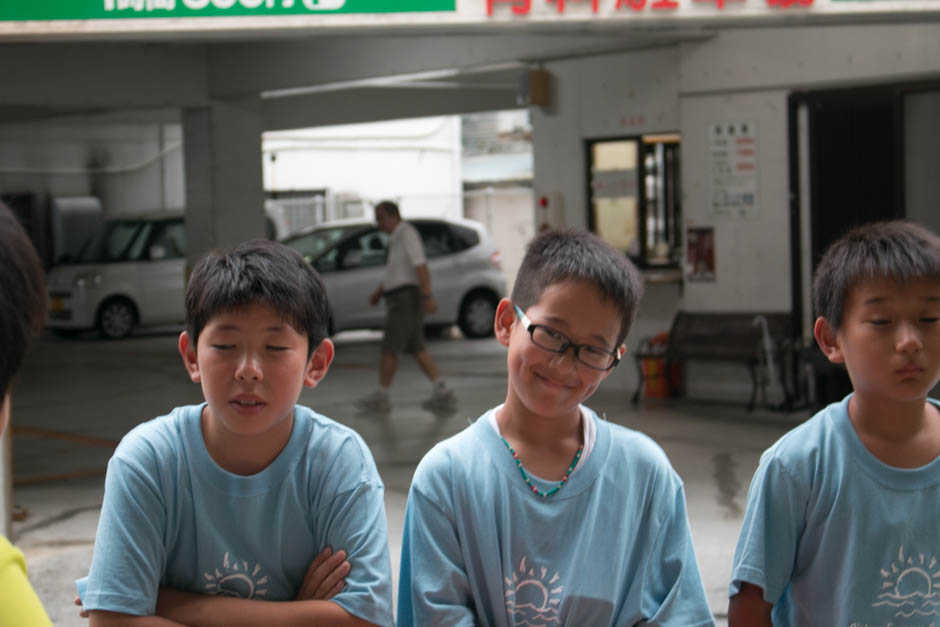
(404, 321)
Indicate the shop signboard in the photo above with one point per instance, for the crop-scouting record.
(733, 168)
(111, 9)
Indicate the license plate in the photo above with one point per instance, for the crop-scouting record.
(57, 305)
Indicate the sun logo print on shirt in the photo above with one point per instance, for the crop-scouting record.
(235, 580)
(530, 599)
(911, 586)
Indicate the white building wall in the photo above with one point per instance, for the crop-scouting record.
(416, 162)
(129, 167)
(594, 97)
(740, 75)
(752, 253)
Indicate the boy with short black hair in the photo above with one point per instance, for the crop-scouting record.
(841, 524)
(22, 307)
(540, 512)
(215, 510)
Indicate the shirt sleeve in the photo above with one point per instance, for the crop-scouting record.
(433, 586)
(414, 248)
(673, 592)
(349, 515)
(129, 555)
(19, 603)
(773, 524)
(355, 521)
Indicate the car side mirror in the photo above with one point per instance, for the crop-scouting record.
(157, 252)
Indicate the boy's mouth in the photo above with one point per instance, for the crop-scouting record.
(247, 402)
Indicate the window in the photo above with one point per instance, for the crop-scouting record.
(634, 197)
(436, 237)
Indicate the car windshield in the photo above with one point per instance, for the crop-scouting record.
(310, 245)
(117, 240)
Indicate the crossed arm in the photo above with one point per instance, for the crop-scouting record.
(312, 606)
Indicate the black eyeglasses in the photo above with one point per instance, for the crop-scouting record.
(554, 341)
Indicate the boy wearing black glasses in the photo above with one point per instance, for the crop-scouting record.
(540, 512)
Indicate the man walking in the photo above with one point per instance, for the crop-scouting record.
(406, 288)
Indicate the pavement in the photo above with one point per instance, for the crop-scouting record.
(74, 399)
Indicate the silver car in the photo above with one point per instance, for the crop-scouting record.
(130, 273)
(464, 265)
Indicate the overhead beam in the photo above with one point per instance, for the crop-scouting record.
(108, 76)
(377, 104)
(237, 69)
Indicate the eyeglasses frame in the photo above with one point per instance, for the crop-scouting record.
(530, 328)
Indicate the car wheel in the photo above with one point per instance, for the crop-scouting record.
(116, 319)
(476, 314)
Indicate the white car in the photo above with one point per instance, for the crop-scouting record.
(464, 265)
(130, 273)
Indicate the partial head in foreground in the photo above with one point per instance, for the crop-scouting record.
(22, 299)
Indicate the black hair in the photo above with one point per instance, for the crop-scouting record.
(22, 296)
(556, 255)
(258, 271)
(898, 250)
(389, 207)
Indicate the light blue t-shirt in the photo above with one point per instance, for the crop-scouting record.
(835, 537)
(611, 547)
(172, 517)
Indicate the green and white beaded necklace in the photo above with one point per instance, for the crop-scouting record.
(528, 481)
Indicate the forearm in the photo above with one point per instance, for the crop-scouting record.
(199, 610)
(99, 618)
(424, 279)
(749, 609)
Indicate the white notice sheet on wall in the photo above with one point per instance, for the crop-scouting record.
(732, 150)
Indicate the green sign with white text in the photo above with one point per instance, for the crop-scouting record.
(122, 9)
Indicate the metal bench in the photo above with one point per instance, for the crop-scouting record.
(756, 339)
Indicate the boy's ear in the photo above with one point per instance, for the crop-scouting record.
(828, 340)
(502, 323)
(319, 363)
(188, 353)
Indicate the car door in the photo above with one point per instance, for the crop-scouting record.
(446, 282)
(162, 274)
(351, 270)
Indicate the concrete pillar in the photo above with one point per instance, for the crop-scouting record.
(224, 184)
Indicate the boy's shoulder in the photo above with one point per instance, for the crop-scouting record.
(821, 441)
(328, 438)
(641, 448)
(159, 436)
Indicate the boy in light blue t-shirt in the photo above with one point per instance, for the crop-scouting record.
(215, 510)
(841, 524)
(540, 513)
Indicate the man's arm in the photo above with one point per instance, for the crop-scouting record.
(748, 608)
(424, 286)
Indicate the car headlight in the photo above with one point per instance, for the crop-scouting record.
(86, 279)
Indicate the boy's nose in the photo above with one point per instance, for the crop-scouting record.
(908, 339)
(248, 369)
(565, 358)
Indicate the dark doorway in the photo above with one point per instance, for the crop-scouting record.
(854, 150)
(855, 162)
